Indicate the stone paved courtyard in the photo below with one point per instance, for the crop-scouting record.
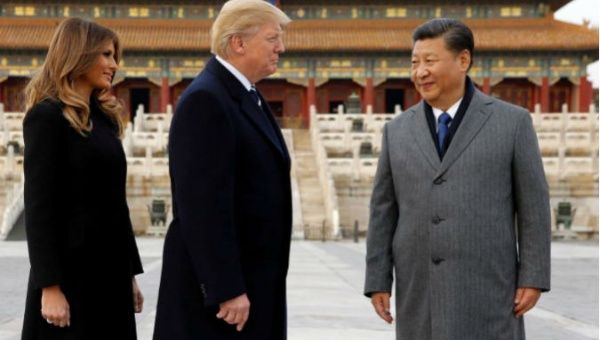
(324, 293)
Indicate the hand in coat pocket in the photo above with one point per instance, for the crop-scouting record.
(55, 308)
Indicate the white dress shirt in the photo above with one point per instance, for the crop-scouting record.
(247, 84)
(451, 111)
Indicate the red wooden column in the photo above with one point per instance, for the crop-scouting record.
(487, 88)
(545, 95)
(311, 99)
(369, 94)
(585, 94)
(165, 94)
(417, 97)
(536, 95)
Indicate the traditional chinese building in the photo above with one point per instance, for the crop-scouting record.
(333, 49)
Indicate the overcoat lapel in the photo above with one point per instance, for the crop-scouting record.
(250, 110)
(276, 128)
(260, 120)
(420, 131)
(475, 118)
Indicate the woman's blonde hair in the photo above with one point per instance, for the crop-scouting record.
(242, 17)
(74, 49)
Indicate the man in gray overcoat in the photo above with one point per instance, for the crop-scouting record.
(460, 210)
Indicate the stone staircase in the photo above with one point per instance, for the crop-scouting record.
(311, 194)
(17, 232)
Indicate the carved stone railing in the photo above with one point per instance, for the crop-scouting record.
(13, 209)
(297, 217)
(325, 179)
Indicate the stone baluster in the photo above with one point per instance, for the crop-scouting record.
(149, 162)
(2, 120)
(138, 121)
(537, 116)
(159, 138)
(128, 140)
(10, 162)
(397, 109)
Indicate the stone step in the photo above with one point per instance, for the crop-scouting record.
(306, 172)
(306, 167)
(314, 199)
(313, 208)
(310, 190)
(311, 195)
(311, 164)
(310, 182)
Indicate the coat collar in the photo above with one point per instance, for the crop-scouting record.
(476, 116)
(249, 108)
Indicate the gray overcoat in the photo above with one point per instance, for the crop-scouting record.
(461, 234)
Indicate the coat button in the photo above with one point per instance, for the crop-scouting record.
(436, 219)
(439, 181)
(437, 260)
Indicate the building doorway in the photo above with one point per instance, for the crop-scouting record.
(393, 97)
(334, 104)
(138, 96)
(517, 91)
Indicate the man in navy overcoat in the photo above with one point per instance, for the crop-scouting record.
(226, 252)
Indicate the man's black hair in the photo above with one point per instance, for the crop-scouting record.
(457, 36)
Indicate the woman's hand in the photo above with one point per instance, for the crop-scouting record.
(55, 308)
(138, 298)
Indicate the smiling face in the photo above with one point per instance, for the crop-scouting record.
(260, 52)
(100, 75)
(438, 73)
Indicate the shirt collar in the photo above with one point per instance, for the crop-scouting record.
(452, 110)
(235, 73)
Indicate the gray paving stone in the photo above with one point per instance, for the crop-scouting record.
(325, 299)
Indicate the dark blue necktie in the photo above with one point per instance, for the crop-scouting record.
(254, 95)
(443, 121)
(266, 121)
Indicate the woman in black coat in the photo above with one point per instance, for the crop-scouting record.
(82, 250)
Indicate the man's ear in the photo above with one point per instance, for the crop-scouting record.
(237, 44)
(465, 59)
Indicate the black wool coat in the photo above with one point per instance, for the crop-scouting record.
(79, 234)
(230, 177)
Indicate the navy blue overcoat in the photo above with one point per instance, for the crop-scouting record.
(230, 179)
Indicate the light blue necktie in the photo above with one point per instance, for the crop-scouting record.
(443, 121)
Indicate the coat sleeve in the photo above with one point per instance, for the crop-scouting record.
(134, 255)
(202, 160)
(43, 129)
(382, 224)
(532, 208)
